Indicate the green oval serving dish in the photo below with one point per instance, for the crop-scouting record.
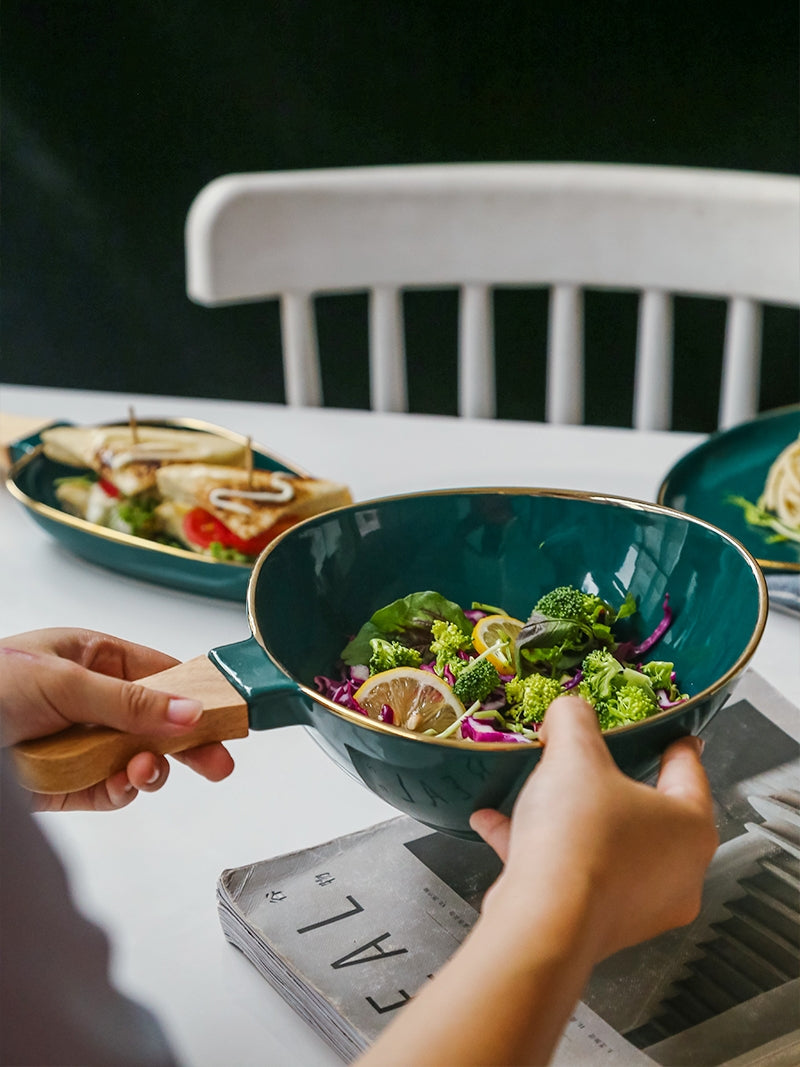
(32, 479)
(735, 462)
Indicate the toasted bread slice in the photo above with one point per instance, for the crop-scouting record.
(130, 464)
(249, 504)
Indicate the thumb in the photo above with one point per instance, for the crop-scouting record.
(682, 774)
(494, 828)
(80, 695)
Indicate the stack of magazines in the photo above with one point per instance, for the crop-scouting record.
(350, 930)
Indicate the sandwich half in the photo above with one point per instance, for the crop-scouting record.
(128, 459)
(232, 513)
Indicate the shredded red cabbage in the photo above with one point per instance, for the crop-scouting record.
(496, 699)
(573, 681)
(658, 633)
(341, 691)
(476, 730)
(664, 702)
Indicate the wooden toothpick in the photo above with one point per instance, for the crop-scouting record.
(133, 425)
(249, 462)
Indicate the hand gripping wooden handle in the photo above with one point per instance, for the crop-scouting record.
(81, 756)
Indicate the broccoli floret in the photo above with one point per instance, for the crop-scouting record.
(618, 694)
(529, 698)
(660, 673)
(630, 703)
(448, 641)
(599, 670)
(661, 676)
(567, 602)
(564, 627)
(564, 602)
(636, 702)
(475, 682)
(389, 654)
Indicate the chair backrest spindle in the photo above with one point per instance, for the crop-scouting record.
(388, 383)
(476, 369)
(565, 374)
(652, 391)
(303, 382)
(741, 362)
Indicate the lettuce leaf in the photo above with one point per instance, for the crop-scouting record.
(408, 620)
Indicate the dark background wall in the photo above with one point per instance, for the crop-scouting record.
(115, 115)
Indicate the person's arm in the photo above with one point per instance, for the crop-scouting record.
(594, 862)
(52, 678)
(58, 1003)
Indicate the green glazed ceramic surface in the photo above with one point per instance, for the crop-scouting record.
(314, 587)
(32, 481)
(736, 462)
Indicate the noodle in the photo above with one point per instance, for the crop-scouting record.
(778, 507)
(782, 488)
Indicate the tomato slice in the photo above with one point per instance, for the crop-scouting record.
(203, 529)
(108, 488)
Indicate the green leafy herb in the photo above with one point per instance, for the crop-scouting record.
(227, 555)
(563, 628)
(137, 514)
(408, 620)
(756, 515)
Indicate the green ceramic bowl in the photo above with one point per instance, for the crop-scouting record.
(314, 586)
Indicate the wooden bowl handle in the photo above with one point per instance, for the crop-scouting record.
(81, 756)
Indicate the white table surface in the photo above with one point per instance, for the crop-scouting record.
(148, 873)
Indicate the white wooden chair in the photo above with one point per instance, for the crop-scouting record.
(654, 230)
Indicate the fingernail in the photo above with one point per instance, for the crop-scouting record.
(183, 712)
(698, 742)
(153, 777)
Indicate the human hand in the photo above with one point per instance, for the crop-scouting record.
(52, 678)
(585, 840)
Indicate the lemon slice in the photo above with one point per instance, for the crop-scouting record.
(491, 629)
(419, 699)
